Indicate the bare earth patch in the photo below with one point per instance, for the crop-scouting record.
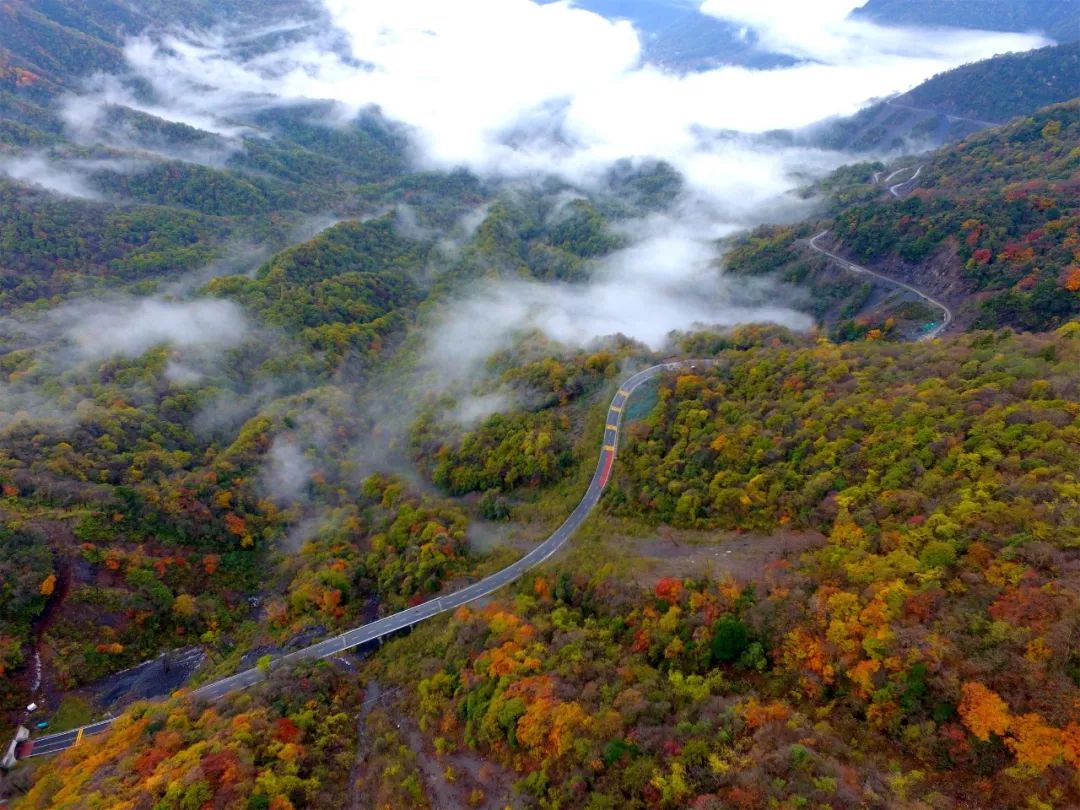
(462, 779)
(391, 747)
(743, 556)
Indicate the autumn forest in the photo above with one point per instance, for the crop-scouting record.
(276, 364)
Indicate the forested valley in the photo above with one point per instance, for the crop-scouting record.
(272, 375)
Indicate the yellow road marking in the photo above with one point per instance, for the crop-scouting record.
(624, 393)
(78, 738)
(616, 408)
(613, 427)
(610, 447)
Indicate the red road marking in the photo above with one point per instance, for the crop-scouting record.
(607, 468)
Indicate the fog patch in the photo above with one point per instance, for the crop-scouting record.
(173, 99)
(27, 406)
(69, 343)
(84, 331)
(104, 113)
(633, 307)
(230, 409)
(182, 374)
(450, 243)
(299, 534)
(238, 258)
(66, 175)
(288, 471)
(308, 227)
(40, 171)
(36, 170)
(130, 328)
(471, 410)
(407, 224)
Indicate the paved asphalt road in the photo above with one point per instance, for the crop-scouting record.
(855, 268)
(52, 743)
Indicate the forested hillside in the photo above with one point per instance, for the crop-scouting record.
(955, 104)
(118, 197)
(936, 620)
(145, 483)
(928, 639)
(1059, 19)
(288, 744)
(678, 35)
(991, 224)
(54, 46)
(1003, 87)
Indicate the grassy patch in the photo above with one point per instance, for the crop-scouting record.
(73, 711)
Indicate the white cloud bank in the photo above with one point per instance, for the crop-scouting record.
(666, 281)
(821, 31)
(467, 74)
(512, 88)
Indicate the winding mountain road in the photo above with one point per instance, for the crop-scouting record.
(947, 315)
(54, 743)
(950, 118)
(895, 190)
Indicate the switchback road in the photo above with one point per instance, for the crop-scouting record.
(896, 190)
(947, 315)
(53, 743)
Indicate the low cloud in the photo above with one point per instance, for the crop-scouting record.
(67, 342)
(823, 32)
(85, 114)
(543, 89)
(38, 170)
(130, 328)
(471, 410)
(226, 412)
(92, 330)
(21, 405)
(667, 280)
(287, 472)
(65, 175)
(561, 90)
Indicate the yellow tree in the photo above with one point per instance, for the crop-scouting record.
(983, 711)
(48, 585)
(1034, 742)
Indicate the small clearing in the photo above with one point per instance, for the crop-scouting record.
(744, 556)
